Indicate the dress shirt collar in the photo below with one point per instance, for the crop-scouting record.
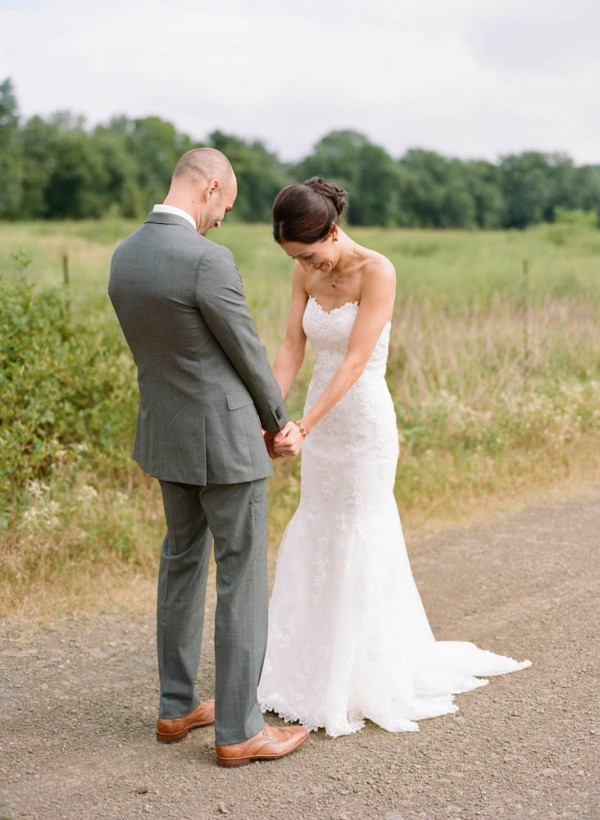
(171, 209)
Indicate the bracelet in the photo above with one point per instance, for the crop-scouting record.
(302, 428)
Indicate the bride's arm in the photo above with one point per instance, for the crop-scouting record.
(376, 306)
(291, 354)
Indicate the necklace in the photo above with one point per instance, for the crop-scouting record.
(334, 279)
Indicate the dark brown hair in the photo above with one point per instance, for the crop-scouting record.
(305, 212)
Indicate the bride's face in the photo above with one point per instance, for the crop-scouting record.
(321, 256)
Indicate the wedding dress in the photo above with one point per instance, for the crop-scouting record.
(348, 635)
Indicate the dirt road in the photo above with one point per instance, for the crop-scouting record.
(78, 704)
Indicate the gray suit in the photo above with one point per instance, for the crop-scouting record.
(205, 389)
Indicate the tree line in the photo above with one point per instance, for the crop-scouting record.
(58, 168)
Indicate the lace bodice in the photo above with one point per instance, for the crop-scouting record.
(365, 415)
(329, 331)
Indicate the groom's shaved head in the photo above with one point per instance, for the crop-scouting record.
(206, 163)
(203, 185)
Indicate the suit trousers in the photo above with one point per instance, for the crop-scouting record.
(234, 516)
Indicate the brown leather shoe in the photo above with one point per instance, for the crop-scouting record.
(269, 744)
(170, 730)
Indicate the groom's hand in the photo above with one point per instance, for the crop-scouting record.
(288, 441)
(268, 439)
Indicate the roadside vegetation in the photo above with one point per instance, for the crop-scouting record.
(494, 369)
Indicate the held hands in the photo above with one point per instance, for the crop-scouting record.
(288, 441)
(285, 442)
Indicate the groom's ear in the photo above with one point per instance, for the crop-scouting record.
(212, 187)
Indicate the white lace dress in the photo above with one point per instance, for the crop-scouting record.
(348, 636)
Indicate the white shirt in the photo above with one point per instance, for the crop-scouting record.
(171, 209)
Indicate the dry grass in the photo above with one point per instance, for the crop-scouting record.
(494, 370)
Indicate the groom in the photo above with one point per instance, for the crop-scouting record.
(205, 391)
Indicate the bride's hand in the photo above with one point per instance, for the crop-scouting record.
(288, 441)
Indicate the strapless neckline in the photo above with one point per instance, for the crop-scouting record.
(335, 309)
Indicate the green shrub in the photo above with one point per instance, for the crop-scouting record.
(68, 391)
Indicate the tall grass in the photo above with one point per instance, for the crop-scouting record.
(494, 369)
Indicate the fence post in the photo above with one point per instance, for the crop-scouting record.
(525, 320)
(65, 263)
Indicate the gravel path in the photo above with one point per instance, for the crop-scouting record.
(78, 704)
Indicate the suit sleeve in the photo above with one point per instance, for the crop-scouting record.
(221, 301)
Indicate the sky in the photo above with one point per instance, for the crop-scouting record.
(467, 78)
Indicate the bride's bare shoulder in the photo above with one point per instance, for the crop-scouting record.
(378, 269)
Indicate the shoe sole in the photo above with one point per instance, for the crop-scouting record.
(244, 761)
(175, 736)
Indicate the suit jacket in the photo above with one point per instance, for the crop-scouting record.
(203, 374)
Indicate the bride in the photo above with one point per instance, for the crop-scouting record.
(348, 635)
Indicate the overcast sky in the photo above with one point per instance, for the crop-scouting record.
(467, 78)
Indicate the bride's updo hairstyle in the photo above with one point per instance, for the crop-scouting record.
(305, 212)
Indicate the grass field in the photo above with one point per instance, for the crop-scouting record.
(494, 369)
